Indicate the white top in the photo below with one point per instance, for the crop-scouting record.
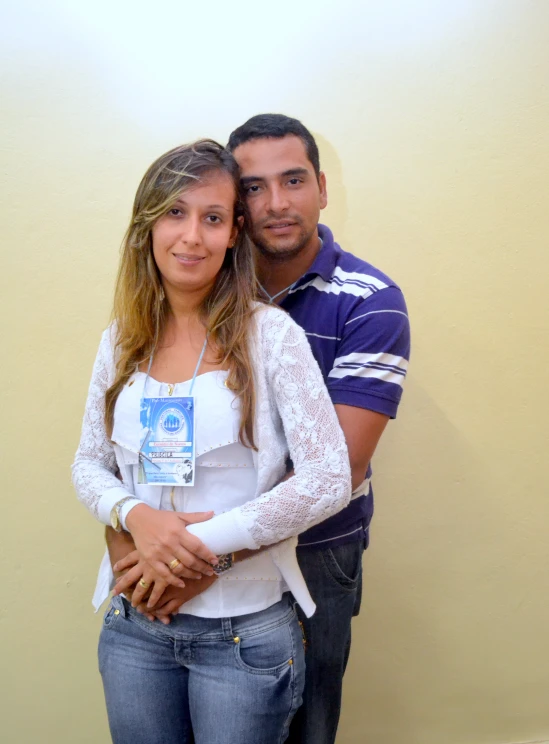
(294, 418)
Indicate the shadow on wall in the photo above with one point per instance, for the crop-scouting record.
(336, 213)
(436, 619)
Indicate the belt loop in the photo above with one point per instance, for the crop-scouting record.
(227, 628)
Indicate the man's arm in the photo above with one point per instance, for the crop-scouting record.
(119, 545)
(363, 430)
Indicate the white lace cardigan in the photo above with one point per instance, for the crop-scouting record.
(294, 417)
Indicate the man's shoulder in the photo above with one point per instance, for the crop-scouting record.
(346, 264)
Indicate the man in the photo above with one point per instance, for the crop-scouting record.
(356, 321)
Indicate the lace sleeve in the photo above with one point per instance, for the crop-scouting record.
(94, 466)
(321, 484)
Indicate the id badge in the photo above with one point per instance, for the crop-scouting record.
(167, 451)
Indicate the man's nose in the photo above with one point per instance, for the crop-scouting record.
(278, 200)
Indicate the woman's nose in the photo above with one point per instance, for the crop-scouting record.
(190, 233)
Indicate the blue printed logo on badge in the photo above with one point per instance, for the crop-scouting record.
(171, 421)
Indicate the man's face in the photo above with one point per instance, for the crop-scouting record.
(283, 194)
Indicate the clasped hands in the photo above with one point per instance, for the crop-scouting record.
(165, 553)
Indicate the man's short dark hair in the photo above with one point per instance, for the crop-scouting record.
(276, 126)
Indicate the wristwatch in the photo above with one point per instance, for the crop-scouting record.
(116, 524)
(225, 564)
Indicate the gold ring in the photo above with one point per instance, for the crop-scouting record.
(174, 564)
(143, 584)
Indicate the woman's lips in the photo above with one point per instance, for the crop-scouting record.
(188, 260)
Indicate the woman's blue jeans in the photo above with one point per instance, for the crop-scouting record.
(198, 680)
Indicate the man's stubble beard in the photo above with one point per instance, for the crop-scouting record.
(280, 255)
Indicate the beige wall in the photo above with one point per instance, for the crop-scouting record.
(433, 120)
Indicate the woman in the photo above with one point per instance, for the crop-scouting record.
(195, 383)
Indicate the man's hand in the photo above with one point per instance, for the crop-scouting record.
(173, 598)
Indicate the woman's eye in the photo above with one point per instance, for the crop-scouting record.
(214, 219)
(175, 212)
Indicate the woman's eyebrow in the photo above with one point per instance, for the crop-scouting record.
(183, 203)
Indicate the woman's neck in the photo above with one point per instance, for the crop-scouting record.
(184, 306)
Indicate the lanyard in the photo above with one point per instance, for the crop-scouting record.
(200, 358)
(149, 431)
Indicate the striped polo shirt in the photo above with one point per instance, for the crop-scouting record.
(357, 324)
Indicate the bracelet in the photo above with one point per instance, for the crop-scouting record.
(225, 564)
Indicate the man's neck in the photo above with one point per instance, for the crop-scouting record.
(276, 276)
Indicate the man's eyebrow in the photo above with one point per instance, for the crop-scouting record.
(285, 174)
(295, 172)
(250, 179)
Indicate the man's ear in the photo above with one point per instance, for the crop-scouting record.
(235, 230)
(323, 190)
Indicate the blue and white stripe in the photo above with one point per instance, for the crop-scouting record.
(381, 366)
(346, 282)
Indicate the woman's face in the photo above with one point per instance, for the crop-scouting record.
(190, 241)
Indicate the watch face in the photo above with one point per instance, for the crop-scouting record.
(115, 522)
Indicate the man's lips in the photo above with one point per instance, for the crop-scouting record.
(280, 227)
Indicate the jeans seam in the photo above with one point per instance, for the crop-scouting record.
(257, 629)
(292, 708)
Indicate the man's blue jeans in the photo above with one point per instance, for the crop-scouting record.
(334, 578)
(207, 681)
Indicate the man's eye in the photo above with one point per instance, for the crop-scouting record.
(252, 189)
(294, 181)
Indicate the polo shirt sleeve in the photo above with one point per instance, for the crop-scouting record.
(373, 353)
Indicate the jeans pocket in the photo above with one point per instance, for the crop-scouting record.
(344, 564)
(266, 652)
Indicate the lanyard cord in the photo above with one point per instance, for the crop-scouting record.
(200, 358)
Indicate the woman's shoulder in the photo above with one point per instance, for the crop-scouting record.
(275, 327)
(107, 343)
(270, 317)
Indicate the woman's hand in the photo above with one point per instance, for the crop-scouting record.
(160, 537)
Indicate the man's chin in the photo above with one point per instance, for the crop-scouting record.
(280, 250)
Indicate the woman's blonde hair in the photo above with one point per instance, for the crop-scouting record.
(140, 309)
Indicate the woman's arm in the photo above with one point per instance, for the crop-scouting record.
(94, 467)
(321, 483)
(159, 536)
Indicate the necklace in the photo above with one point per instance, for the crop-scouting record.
(273, 297)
